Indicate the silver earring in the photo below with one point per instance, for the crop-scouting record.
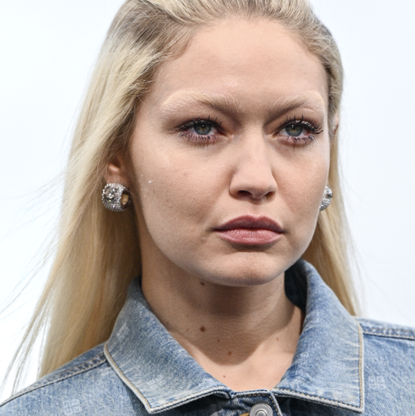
(328, 196)
(116, 197)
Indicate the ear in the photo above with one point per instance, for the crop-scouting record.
(335, 125)
(117, 171)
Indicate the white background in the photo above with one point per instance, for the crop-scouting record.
(47, 51)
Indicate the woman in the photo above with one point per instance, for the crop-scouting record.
(210, 127)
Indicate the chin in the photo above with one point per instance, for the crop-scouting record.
(242, 274)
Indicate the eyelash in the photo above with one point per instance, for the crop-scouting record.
(199, 138)
(305, 124)
(206, 139)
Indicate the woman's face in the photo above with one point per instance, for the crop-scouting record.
(235, 129)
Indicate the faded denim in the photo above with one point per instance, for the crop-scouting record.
(342, 366)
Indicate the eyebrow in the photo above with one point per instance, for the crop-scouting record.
(182, 100)
(226, 103)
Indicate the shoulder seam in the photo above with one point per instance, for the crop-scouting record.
(73, 371)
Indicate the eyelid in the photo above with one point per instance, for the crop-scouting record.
(305, 123)
(305, 138)
(200, 139)
(194, 121)
(204, 139)
(310, 126)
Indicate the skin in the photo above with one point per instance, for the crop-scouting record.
(224, 302)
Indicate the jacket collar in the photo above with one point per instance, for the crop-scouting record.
(327, 367)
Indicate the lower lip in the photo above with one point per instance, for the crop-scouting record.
(250, 236)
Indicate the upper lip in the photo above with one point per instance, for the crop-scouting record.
(251, 222)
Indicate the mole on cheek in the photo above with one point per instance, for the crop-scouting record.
(202, 329)
(202, 284)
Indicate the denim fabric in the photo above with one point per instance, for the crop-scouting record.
(342, 366)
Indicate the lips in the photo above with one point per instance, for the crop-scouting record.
(251, 230)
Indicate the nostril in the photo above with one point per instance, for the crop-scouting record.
(254, 181)
(255, 193)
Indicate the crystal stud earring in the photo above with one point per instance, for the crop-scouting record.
(328, 196)
(116, 197)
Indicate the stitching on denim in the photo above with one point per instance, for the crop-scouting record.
(80, 368)
(409, 331)
(361, 378)
(407, 337)
(185, 400)
(322, 399)
(164, 406)
(365, 324)
(122, 376)
(134, 388)
(389, 332)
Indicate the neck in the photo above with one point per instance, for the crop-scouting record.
(232, 332)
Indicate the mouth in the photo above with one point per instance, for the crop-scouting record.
(249, 230)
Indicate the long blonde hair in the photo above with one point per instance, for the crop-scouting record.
(98, 251)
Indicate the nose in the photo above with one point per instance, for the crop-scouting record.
(253, 177)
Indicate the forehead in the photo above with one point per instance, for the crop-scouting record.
(255, 62)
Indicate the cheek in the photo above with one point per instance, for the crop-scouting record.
(304, 189)
(301, 185)
(176, 194)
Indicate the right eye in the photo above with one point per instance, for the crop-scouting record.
(198, 130)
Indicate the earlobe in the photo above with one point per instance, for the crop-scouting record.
(116, 196)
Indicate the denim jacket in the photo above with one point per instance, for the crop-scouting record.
(342, 366)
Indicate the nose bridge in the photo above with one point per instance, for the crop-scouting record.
(253, 173)
(254, 153)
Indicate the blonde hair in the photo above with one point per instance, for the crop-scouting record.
(98, 251)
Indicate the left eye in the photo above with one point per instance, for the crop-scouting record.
(202, 128)
(293, 130)
(299, 131)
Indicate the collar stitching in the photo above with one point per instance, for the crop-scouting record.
(121, 374)
(165, 406)
(323, 399)
(361, 390)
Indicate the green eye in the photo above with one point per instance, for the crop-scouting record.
(202, 128)
(293, 130)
